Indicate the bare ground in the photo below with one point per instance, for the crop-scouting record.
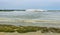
(29, 33)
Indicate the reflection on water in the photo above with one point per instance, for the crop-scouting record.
(33, 18)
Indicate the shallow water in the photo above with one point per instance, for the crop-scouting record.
(49, 19)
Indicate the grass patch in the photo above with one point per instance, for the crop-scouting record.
(25, 29)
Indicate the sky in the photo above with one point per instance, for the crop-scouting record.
(30, 4)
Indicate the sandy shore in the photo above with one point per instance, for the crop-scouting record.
(29, 33)
(28, 21)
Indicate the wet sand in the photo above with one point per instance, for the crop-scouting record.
(28, 21)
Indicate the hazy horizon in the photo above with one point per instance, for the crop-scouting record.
(30, 4)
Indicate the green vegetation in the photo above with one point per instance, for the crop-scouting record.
(11, 10)
(24, 29)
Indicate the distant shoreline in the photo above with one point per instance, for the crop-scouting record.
(12, 10)
(25, 10)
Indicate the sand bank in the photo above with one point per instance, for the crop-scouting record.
(30, 33)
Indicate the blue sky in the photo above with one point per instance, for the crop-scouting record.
(30, 4)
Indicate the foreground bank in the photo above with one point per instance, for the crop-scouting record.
(26, 29)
